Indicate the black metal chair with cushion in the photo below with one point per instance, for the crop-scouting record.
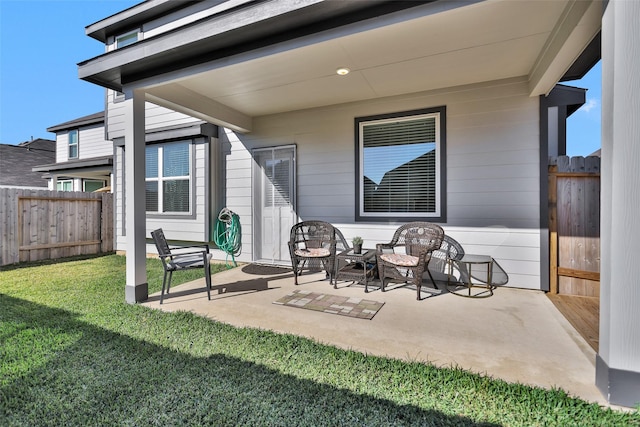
(181, 258)
(312, 244)
(406, 257)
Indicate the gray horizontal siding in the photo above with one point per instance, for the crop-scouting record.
(492, 166)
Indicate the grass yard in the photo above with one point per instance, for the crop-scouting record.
(73, 353)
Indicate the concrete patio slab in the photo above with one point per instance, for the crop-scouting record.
(515, 335)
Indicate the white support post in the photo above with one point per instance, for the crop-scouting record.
(136, 289)
(618, 359)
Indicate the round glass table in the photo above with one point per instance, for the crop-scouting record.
(475, 272)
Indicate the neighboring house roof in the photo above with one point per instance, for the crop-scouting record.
(91, 119)
(16, 162)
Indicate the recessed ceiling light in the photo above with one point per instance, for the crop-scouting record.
(343, 71)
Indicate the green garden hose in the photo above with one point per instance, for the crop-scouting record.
(228, 236)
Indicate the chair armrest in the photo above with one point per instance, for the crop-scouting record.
(180, 254)
(380, 247)
(204, 246)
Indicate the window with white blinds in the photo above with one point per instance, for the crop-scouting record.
(168, 178)
(278, 177)
(400, 170)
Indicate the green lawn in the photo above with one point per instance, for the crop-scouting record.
(73, 353)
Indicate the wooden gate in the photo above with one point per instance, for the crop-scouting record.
(574, 225)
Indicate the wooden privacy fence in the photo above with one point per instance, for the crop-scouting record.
(574, 225)
(37, 225)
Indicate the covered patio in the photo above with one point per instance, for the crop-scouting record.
(489, 63)
(515, 335)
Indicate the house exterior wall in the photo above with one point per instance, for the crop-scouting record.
(117, 186)
(91, 143)
(194, 227)
(493, 172)
(157, 118)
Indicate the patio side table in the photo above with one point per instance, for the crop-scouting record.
(468, 261)
(358, 268)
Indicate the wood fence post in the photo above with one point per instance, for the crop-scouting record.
(553, 230)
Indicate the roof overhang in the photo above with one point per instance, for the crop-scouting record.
(568, 96)
(132, 17)
(85, 168)
(276, 56)
(97, 118)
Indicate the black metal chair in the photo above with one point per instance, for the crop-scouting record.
(406, 257)
(174, 259)
(313, 244)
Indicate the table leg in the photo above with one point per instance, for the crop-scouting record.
(366, 283)
(489, 278)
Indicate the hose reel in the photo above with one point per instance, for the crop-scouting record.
(228, 235)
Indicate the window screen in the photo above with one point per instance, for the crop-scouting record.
(400, 167)
(168, 177)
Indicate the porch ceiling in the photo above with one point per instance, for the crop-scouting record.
(441, 45)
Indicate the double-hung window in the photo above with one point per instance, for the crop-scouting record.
(168, 178)
(401, 166)
(73, 143)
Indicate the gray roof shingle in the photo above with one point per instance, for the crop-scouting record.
(16, 162)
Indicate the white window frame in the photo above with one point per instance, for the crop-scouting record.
(439, 214)
(61, 182)
(117, 96)
(76, 144)
(161, 179)
(128, 37)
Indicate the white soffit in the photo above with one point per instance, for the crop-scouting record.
(486, 41)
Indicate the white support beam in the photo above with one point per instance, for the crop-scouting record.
(573, 32)
(618, 359)
(136, 289)
(181, 99)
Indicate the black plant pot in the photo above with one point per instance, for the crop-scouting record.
(357, 248)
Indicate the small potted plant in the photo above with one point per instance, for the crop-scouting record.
(357, 244)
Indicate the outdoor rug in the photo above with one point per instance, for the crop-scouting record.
(333, 304)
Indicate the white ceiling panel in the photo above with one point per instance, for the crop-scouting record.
(485, 41)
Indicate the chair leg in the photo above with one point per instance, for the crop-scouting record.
(169, 281)
(328, 272)
(295, 272)
(164, 282)
(418, 287)
(207, 279)
(381, 272)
